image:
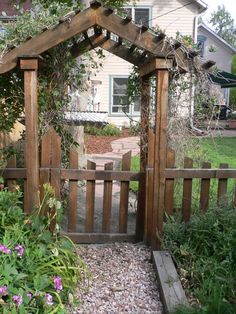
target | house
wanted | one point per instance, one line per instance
(8, 12)
(108, 87)
(215, 48)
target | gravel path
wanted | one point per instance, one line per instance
(122, 281)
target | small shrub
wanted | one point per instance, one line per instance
(232, 115)
(205, 251)
(135, 128)
(39, 270)
(108, 130)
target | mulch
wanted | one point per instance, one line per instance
(101, 144)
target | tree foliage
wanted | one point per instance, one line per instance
(62, 72)
(233, 90)
(223, 24)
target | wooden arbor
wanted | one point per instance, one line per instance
(137, 45)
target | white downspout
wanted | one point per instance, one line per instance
(192, 89)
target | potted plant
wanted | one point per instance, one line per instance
(232, 120)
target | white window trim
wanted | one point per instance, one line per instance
(132, 113)
(140, 7)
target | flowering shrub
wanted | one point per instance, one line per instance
(38, 270)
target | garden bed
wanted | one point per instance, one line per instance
(95, 144)
(205, 253)
(39, 270)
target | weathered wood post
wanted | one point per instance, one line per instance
(160, 149)
(30, 67)
(144, 121)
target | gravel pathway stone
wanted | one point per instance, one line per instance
(122, 280)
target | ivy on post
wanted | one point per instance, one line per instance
(160, 149)
(145, 99)
(30, 67)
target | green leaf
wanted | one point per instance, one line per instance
(41, 282)
(20, 276)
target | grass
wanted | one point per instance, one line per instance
(135, 166)
(214, 150)
(205, 252)
(218, 150)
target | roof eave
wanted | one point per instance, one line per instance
(203, 6)
(209, 30)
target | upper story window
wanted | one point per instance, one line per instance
(119, 101)
(140, 15)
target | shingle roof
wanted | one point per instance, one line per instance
(80, 118)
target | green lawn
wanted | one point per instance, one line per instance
(214, 150)
(218, 150)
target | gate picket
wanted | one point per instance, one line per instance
(107, 202)
(222, 188)
(90, 199)
(73, 193)
(124, 195)
(205, 189)
(187, 192)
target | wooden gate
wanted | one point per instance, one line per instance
(89, 217)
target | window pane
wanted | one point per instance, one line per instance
(120, 85)
(2, 30)
(128, 11)
(141, 16)
(137, 105)
(120, 104)
(115, 109)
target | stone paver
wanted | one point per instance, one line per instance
(221, 133)
(119, 148)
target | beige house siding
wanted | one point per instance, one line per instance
(221, 55)
(180, 17)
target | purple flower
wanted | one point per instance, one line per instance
(58, 284)
(48, 299)
(20, 250)
(4, 249)
(3, 290)
(17, 299)
(29, 295)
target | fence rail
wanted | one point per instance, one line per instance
(206, 174)
(51, 171)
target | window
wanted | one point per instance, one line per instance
(119, 101)
(2, 30)
(200, 44)
(140, 15)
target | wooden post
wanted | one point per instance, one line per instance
(145, 99)
(160, 149)
(149, 189)
(30, 66)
